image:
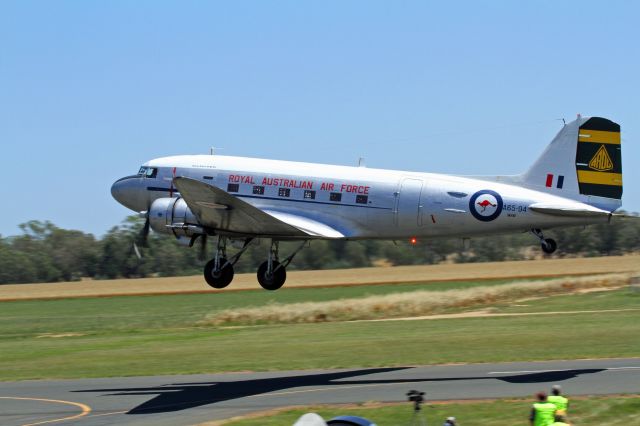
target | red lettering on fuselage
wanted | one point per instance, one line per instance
(241, 179)
(288, 183)
(357, 189)
(303, 184)
(326, 186)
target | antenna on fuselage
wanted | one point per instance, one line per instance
(212, 150)
(361, 162)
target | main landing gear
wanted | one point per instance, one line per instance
(272, 273)
(548, 244)
(218, 272)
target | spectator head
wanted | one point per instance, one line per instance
(556, 389)
(542, 396)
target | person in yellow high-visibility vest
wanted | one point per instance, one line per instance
(561, 402)
(542, 412)
(561, 420)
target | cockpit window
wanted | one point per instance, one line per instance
(149, 172)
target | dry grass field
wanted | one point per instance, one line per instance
(411, 304)
(326, 278)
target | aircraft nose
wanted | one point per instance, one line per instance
(117, 191)
(127, 192)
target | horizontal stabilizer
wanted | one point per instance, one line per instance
(580, 210)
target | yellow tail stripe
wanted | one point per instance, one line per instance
(599, 136)
(600, 178)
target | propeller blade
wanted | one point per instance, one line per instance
(137, 251)
(141, 238)
(145, 232)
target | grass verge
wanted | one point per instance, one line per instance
(151, 335)
(595, 411)
(109, 347)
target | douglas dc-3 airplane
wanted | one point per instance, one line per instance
(576, 181)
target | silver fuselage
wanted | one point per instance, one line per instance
(359, 202)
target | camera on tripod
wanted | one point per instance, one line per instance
(415, 396)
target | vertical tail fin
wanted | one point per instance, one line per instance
(583, 162)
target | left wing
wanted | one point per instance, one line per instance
(219, 210)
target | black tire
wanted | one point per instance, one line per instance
(221, 278)
(276, 280)
(549, 245)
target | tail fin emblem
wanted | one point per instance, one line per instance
(601, 161)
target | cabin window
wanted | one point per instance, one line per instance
(309, 194)
(258, 190)
(284, 192)
(149, 172)
(362, 199)
(233, 187)
(335, 196)
(207, 177)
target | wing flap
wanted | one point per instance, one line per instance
(310, 226)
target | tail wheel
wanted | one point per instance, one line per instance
(274, 280)
(549, 245)
(218, 278)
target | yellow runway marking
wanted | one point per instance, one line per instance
(85, 409)
(107, 414)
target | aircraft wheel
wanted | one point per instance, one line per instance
(274, 280)
(549, 245)
(220, 278)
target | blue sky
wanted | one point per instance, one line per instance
(91, 90)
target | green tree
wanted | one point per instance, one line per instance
(15, 266)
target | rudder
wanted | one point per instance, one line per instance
(599, 158)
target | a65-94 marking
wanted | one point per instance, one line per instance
(514, 208)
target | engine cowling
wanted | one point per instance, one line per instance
(173, 216)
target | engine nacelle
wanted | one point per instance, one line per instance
(173, 216)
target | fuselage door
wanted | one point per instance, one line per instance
(408, 211)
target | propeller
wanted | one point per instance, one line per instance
(142, 237)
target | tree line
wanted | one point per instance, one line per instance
(47, 253)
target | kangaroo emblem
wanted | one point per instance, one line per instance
(484, 204)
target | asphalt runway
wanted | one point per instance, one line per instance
(193, 399)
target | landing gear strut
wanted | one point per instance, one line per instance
(272, 273)
(218, 272)
(548, 244)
